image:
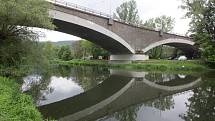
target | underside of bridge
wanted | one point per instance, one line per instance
(108, 43)
(186, 46)
(188, 50)
(88, 30)
(120, 49)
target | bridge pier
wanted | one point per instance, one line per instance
(128, 58)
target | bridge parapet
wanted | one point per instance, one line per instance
(78, 7)
(102, 14)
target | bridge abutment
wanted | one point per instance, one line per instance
(128, 58)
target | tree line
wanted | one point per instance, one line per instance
(81, 49)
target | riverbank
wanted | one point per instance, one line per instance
(150, 65)
(15, 106)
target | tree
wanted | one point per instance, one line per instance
(155, 53)
(49, 51)
(64, 53)
(128, 12)
(98, 51)
(201, 104)
(164, 23)
(17, 15)
(76, 50)
(84, 48)
(16, 39)
(202, 25)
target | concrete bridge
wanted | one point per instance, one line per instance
(125, 91)
(125, 41)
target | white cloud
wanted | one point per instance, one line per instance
(147, 9)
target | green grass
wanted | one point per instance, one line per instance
(150, 65)
(15, 106)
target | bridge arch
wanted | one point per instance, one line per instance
(185, 45)
(88, 30)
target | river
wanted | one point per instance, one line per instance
(83, 93)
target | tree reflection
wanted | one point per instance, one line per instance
(164, 103)
(62, 71)
(159, 77)
(201, 106)
(86, 77)
(129, 114)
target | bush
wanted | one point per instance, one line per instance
(15, 106)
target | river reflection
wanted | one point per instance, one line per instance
(162, 109)
(101, 94)
(60, 88)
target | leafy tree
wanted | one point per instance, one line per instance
(86, 48)
(49, 51)
(76, 50)
(201, 104)
(202, 25)
(164, 23)
(98, 51)
(128, 114)
(17, 41)
(128, 12)
(64, 53)
(155, 53)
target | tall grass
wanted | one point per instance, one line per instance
(15, 106)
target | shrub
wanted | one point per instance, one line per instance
(15, 106)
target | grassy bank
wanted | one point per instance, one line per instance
(151, 65)
(15, 106)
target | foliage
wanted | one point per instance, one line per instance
(164, 23)
(129, 114)
(15, 106)
(202, 26)
(64, 53)
(17, 41)
(76, 50)
(82, 49)
(128, 12)
(49, 51)
(98, 51)
(155, 53)
(86, 47)
(201, 103)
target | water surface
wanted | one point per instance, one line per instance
(84, 93)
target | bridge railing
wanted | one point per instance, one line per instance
(78, 7)
(85, 9)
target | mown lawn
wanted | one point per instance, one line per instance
(150, 65)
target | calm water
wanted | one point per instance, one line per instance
(101, 94)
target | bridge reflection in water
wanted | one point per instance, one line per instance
(120, 90)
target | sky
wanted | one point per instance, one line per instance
(146, 8)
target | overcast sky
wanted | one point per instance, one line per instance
(147, 9)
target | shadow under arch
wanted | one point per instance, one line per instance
(166, 86)
(88, 30)
(82, 105)
(186, 45)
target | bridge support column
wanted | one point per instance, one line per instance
(128, 58)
